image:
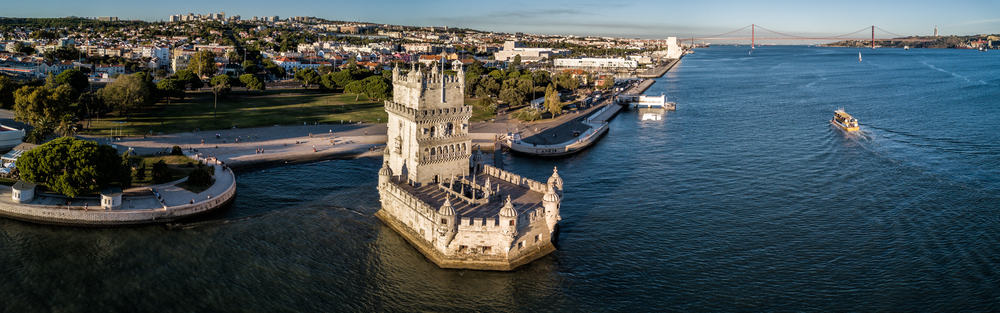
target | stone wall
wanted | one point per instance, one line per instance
(515, 179)
(50, 214)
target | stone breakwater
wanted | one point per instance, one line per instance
(153, 210)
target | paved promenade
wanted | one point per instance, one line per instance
(140, 205)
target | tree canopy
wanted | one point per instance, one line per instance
(74, 167)
(202, 63)
(43, 107)
(75, 79)
(7, 88)
(128, 92)
(252, 82)
(307, 77)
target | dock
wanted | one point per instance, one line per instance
(569, 138)
(659, 70)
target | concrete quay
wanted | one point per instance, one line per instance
(140, 205)
(659, 70)
(578, 134)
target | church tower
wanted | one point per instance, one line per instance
(428, 125)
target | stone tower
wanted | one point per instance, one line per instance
(428, 125)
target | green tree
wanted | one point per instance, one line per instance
(307, 77)
(170, 87)
(90, 105)
(24, 48)
(342, 78)
(252, 82)
(377, 87)
(274, 69)
(511, 94)
(356, 87)
(541, 78)
(202, 63)
(552, 102)
(73, 167)
(7, 88)
(250, 67)
(488, 87)
(515, 65)
(200, 177)
(42, 107)
(223, 80)
(75, 79)
(160, 172)
(565, 81)
(127, 93)
(221, 85)
(63, 53)
(189, 79)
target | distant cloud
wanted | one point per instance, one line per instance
(977, 22)
(536, 13)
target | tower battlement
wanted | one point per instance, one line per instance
(433, 89)
(458, 214)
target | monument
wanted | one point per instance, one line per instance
(441, 197)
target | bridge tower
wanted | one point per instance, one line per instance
(873, 37)
(753, 34)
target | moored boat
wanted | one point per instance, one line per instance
(844, 121)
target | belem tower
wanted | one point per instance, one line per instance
(457, 211)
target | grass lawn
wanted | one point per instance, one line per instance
(479, 112)
(177, 164)
(267, 108)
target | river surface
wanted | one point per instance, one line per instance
(745, 198)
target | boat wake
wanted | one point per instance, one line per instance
(944, 144)
(956, 75)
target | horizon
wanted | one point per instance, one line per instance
(627, 19)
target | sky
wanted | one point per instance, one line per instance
(626, 18)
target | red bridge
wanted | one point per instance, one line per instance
(861, 34)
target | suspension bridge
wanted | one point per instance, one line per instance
(741, 34)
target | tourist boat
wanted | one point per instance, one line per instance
(906, 47)
(844, 121)
(658, 102)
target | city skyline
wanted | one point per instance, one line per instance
(615, 18)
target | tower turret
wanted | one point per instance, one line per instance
(508, 224)
(385, 173)
(550, 201)
(555, 180)
(447, 225)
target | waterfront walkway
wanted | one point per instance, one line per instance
(140, 205)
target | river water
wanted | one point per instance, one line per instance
(745, 198)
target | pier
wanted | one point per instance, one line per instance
(569, 138)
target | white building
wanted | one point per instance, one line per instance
(513, 48)
(596, 63)
(673, 50)
(162, 54)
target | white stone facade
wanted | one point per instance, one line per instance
(491, 219)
